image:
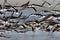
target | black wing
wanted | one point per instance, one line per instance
(26, 4)
(34, 9)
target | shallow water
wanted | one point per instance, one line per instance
(38, 35)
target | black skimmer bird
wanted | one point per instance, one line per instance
(26, 4)
(24, 26)
(42, 4)
(20, 31)
(36, 21)
(32, 28)
(8, 6)
(2, 35)
(41, 7)
(13, 17)
(55, 28)
(43, 19)
(4, 19)
(24, 17)
(7, 27)
(1, 12)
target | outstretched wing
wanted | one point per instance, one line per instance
(26, 4)
(34, 9)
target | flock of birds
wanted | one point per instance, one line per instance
(49, 18)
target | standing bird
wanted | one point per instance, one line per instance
(55, 28)
(12, 17)
(47, 29)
